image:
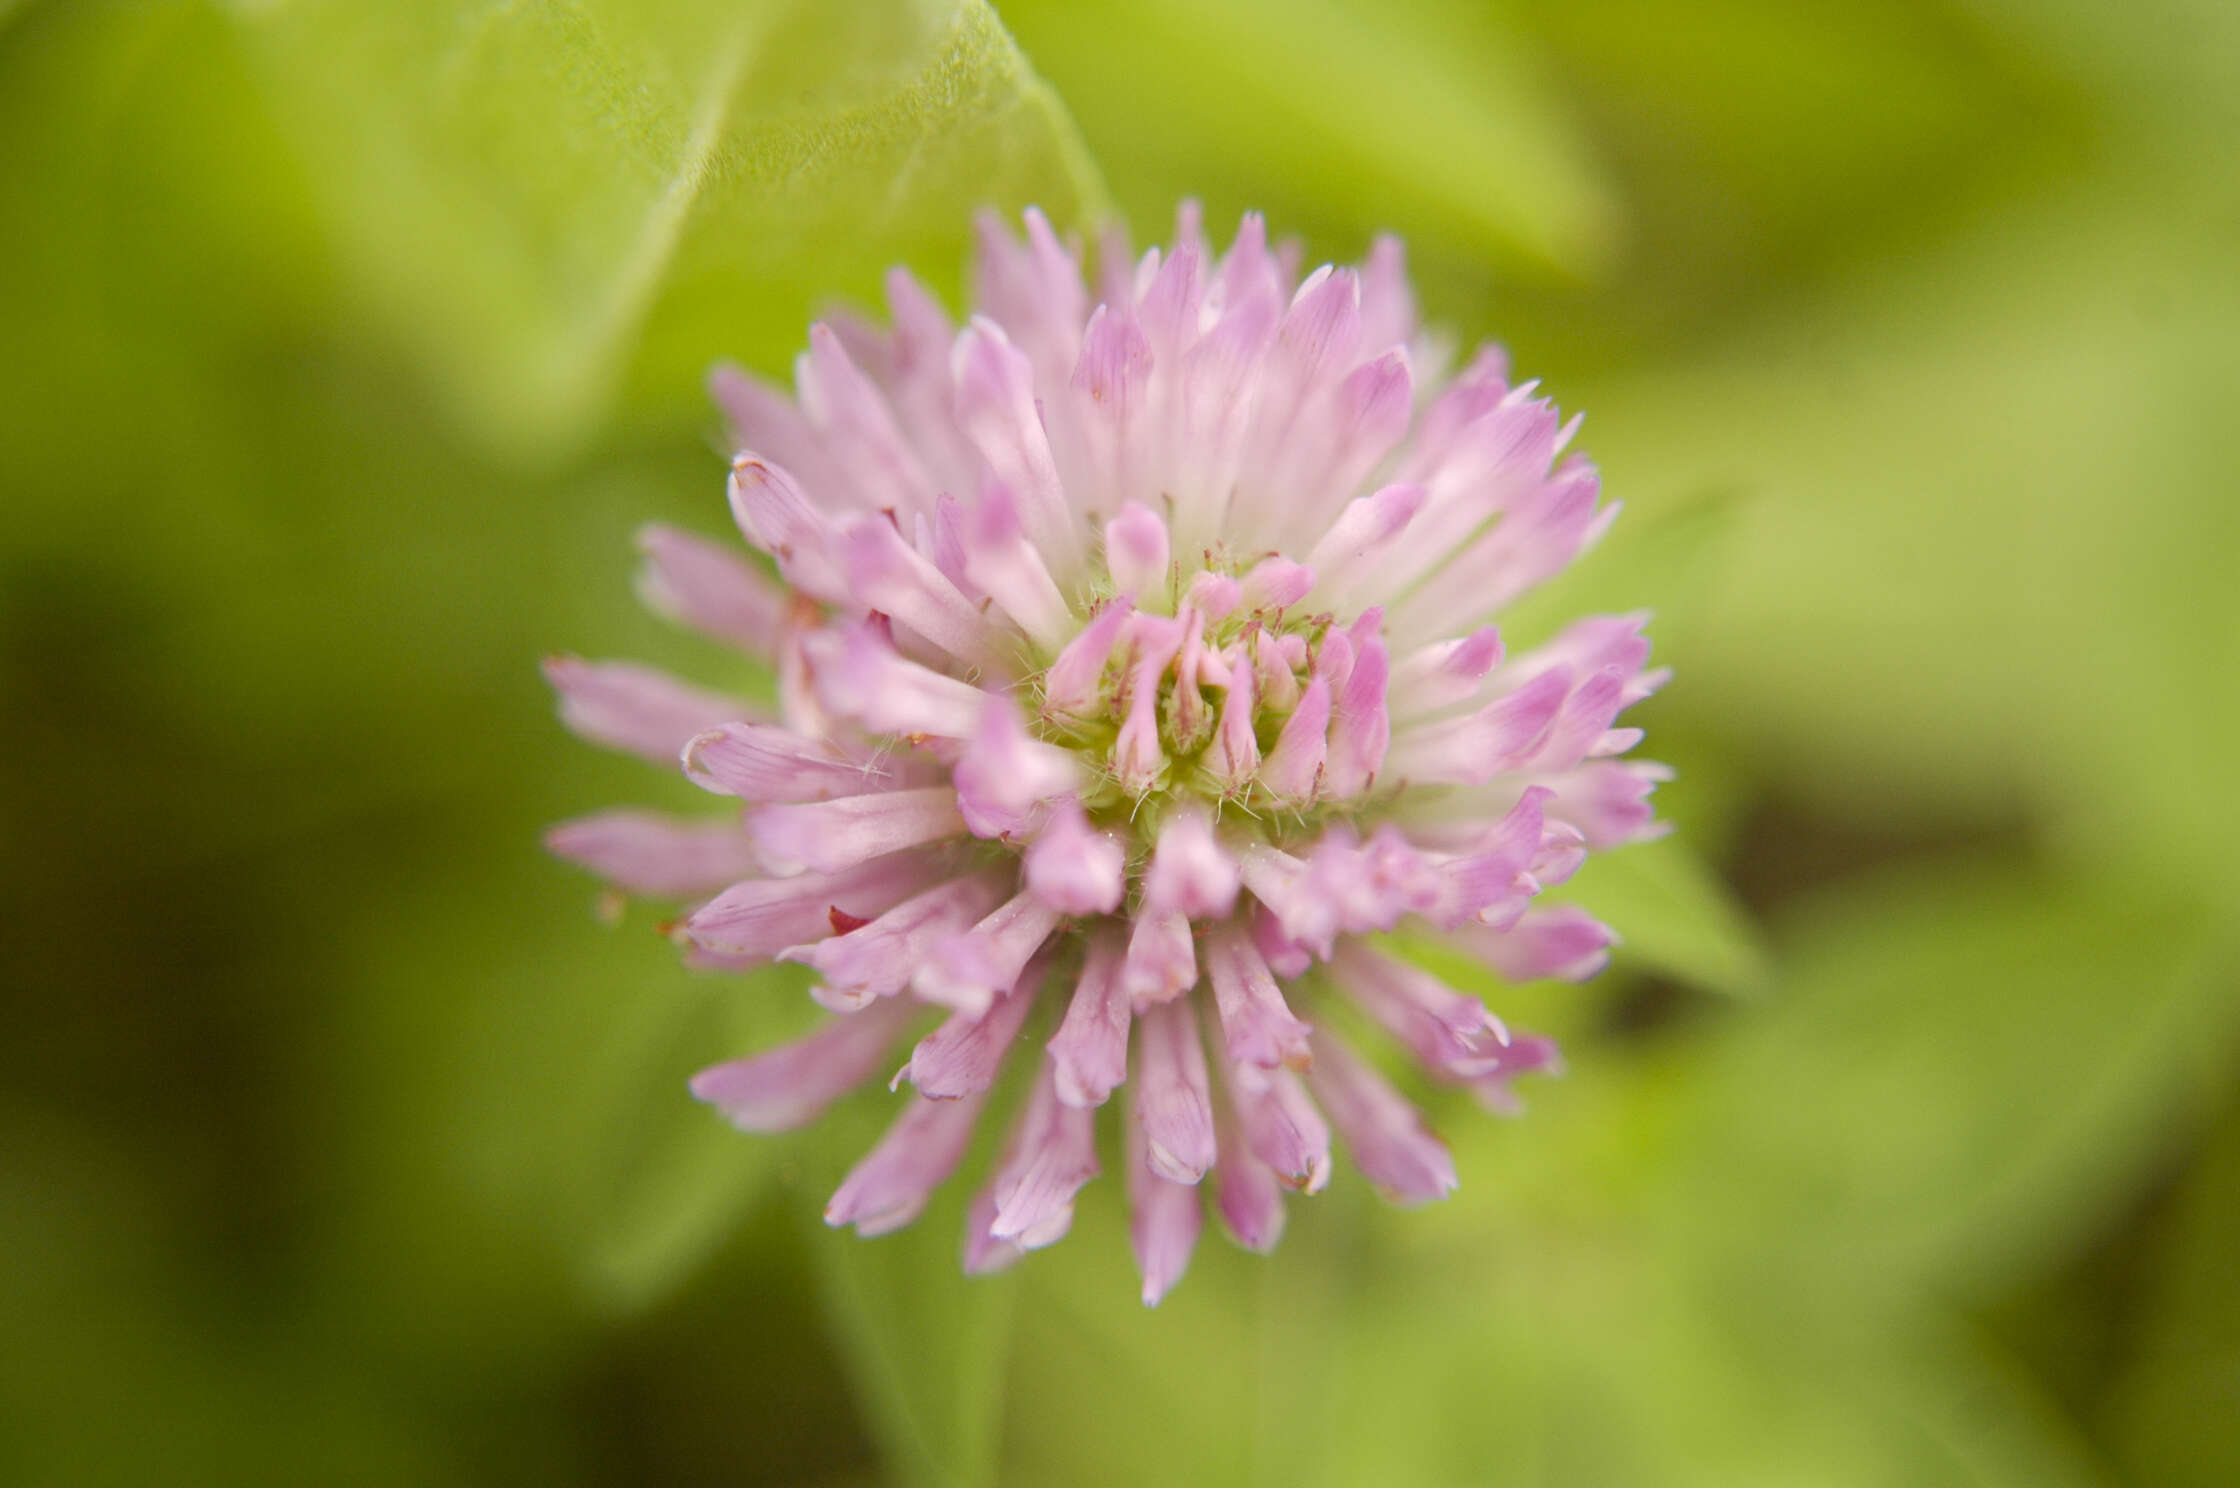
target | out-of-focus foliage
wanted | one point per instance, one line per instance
(540, 198)
(1426, 118)
(343, 345)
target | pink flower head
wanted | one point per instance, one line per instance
(1136, 667)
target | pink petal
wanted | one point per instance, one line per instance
(1282, 883)
(791, 1085)
(1074, 684)
(1275, 584)
(996, 409)
(1319, 334)
(1293, 769)
(697, 583)
(1073, 867)
(1110, 384)
(1189, 719)
(1135, 551)
(1286, 957)
(1005, 773)
(890, 1186)
(1280, 1126)
(860, 676)
(961, 1057)
(1609, 802)
(871, 459)
(1360, 726)
(923, 394)
(1448, 1031)
(1579, 724)
(1191, 872)
(829, 836)
(1247, 269)
(968, 968)
(1235, 757)
(1216, 416)
(635, 708)
(1250, 1200)
(999, 559)
(1444, 673)
(1054, 1153)
(760, 917)
(1491, 881)
(888, 575)
(1162, 960)
(1354, 543)
(1089, 1052)
(1493, 466)
(1474, 748)
(1519, 552)
(1563, 849)
(763, 418)
(1388, 306)
(1169, 308)
(1358, 886)
(1174, 1105)
(984, 1254)
(761, 763)
(1164, 1219)
(1385, 1134)
(647, 852)
(776, 517)
(1272, 675)
(1033, 289)
(1257, 1024)
(879, 958)
(1368, 416)
(1587, 646)
(1527, 1054)
(1246, 1191)
(1563, 942)
(1138, 760)
(1214, 595)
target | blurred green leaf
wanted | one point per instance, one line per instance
(1242, 1374)
(2160, 71)
(2180, 1388)
(1334, 117)
(1974, 580)
(1963, 1071)
(1754, 132)
(125, 1368)
(520, 188)
(1674, 915)
(927, 1345)
(683, 1176)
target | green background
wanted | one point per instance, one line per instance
(344, 343)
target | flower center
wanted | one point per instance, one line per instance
(1242, 699)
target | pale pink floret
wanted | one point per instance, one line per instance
(1089, 1052)
(961, 1057)
(1054, 1153)
(791, 1085)
(1280, 1126)
(648, 852)
(1172, 1096)
(1135, 654)
(1075, 867)
(635, 708)
(1164, 1219)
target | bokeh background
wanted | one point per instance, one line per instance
(344, 343)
